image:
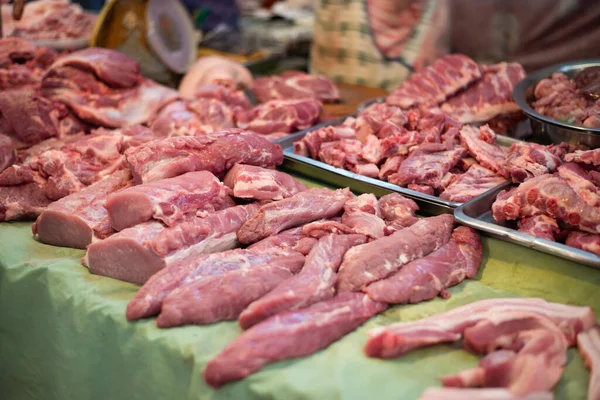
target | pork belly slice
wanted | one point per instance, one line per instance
(429, 276)
(480, 144)
(584, 241)
(477, 180)
(207, 299)
(437, 82)
(394, 340)
(80, 218)
(316, 281)
(528, 160)
(250, 182)
(588, 343)
(136, 253)
(590, 157)
(216, 153)
(581, 182)
(550, 195)
(8, 153)
(293, 239)
(362, 215)
(480, 394)
(380, 258)
(307, 206)
(291, 334)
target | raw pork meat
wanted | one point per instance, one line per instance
(489, 97)
(80, 218)
(192, 117)
(290, 334)
(168, 200)
(318, 229)
(136, 253)
(589, 348)
(293, 239)
(204, 300)
(390, 167)
(397, 211)
(310, 144)
(299, 209)
(8, 154)
(581, 182)
(527, 160)
(15, 50)
(541, 226)
(587, 157)
(214, 71)
(295, 85)
(429, 276)
(477, 180)
(394, 340)
(250, 182)
(584, 241)
(362, 215)
(316, 281)
(216, 153)
(480, 143)
(378, 119)
(25, 201)
(236, 99)
(280, 116)
(436, 83)
(379, 259)
(480, 394)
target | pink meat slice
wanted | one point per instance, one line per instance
(24, 201)
(584, 241)
(310, 144)
(307, 206)
(215, 153)
(390, 167)
(8, 154)
(316, 281)
(291, 334)
(80, 218)
(488, 154)
(280, 116)
(429, 276)
(477, 180)
(480, 394)
(293, 239)
(528, 160)
(362, 215)
(251, 182)
(375, 118)
(204, 300)
(167, 200)
(318, 229)
(396, 207)
(580, 181)
(380, 258)
(394, 340)
(136, 253)
(588, 343)
(541, 226)
(591, 157)
(192, 117)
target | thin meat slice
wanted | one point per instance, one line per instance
(477, 180)
(480, 394)
(528, 160)
(379, 259)
(80, 218)
(584, 241)
(591, 157)
(581, 182)
(394, 340)
(204, 300)
(307, 206)
(362, 215)
(541, 226)
(250, 182)
(588, 343)
(291, 239)
(136, 253)
(8, 154)
(429, 276)
(481, 147)
(397, 208)
(289, 335)
(167, 200)
(316, 281)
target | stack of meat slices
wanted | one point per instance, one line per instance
(558, 194)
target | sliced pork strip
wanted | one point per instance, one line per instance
(289, 335)
(80, 219)
(307, 206)
(250, 182)
(480, 394)
(588, 343)
(362, 215)
(316, 281)
(379, 259)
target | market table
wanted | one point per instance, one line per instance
(63, 334)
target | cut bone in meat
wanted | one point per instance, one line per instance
(584, 241)
(250, 182)
(379, 259)
(80, 218)
(588, 343)
(280, 116)
(541, 226)
(316, 281)
(477, 180)
(216, 153)
(295, 85)
(480, 143)
(378, 119)
(586, 157)
(581, 182)
(8, 154)
(168, 200)
(363, 216)
(527, 160)
(436, 83)
(289, 335)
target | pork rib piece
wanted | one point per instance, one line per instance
(489, 97)
(584, 241)
(480, 394)
(8, 154)
(307, 206)
(588, 343)
(289, 335)
(204, 300)
(316, 281)
(580, 181)
(477, 180)
(527, 160)
(429, 276)
(295, 85)
(310, 144)
(280, 116)
(541, 226)
(136, 253)
(250, 182)
(80, 218)
(378, 119)
(436, 83)
(379, 259)
(363, 216)
(394, 340)
(216, 153)
(480, 143)
(586, 157)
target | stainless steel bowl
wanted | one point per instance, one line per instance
(547, 130)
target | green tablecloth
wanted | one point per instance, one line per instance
(63, 334)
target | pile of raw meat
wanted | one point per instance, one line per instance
(558, 194)
(524, 342)
(48, 20)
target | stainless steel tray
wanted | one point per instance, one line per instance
(477, 214)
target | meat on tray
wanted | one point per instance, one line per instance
(397, 211)
(527, 160)
(480, 144)
(591, 157)
(581, 182)
(588, 343)
(280, 116)
(475, 181)
(541, 226)
(295, 85)
(363, 216)
(251, 182)
(450, 393)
